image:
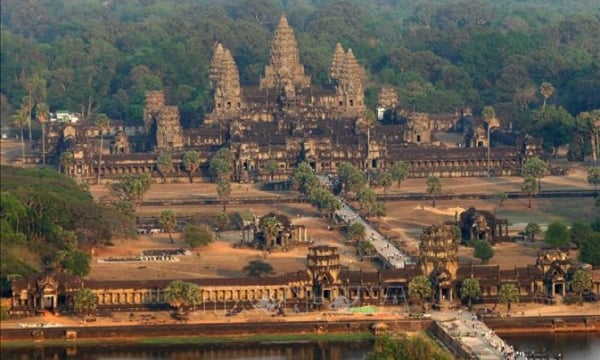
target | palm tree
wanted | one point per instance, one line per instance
(530, 187)
(191, 162)
(103, 122)
(547, 90)
(270, 228)
(20, 120)
(434, 187)
(85, 301)
(271, 166)
(182, 295)
(582, 281)
(470, 289)
(508, 294)
(164, 164)
(419, 289)
(42, 113)
(224, 191)
(399, 172)
(168, 221)
(27, 107)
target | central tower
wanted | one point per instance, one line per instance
(284, 73)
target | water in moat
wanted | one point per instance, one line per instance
(572, 346)
(309, 350)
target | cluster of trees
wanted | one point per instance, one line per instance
(48, 220)
(536, 62)
(417, 347)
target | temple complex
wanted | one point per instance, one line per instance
(288, 119)
(324, 283)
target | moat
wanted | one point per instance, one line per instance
(573, 346)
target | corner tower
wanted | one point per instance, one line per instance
(351, 85)
(225, 82)
(284, 73)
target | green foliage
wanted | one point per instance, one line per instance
(508, 295)
(196, 236)
(85, 301)
(183, 295)
(351, 179)
(434, 187)
(419, 289)
(470, 289)
(164, 164)
(580, 232)
(500, 197)
(222, 220)
(483, 250)
(366, 198)
(191, 162)
(44, 213)
(76, 263)
(534, 167)
(365, 247)
(324, 201)
(442, 55)
(168, 221)
(271, 167)
(582, 281)
(531, 230)
(221, 164)
(224, 191)
(530, 187)
(557, 234)
(269, 226)
(304, 179)
(589, 249)
(385, 180)
(356, 232)
(131, 187)
(415, 347)
(593, 176)
(258, 268)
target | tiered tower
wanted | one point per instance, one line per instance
(351, 85)
(155, 102)
(438, 250)
(284, 73)
(163, 121)
(336, 64)
(225, 82)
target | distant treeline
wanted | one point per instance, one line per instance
(101, 56)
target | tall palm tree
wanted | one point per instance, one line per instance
(547, 90)
(103, 122)
(20, 120)
(42, 113)
(270, 228)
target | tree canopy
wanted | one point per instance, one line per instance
(183, 295)
(557, 234)
(524, 58)
(46, 218)
(258, 268)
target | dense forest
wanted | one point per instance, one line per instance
(47, 220)
(101, 56)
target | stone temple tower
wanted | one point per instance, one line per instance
(336, 64)
(438, 258)
(351, 85)
(284, 74)
(225, 82)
